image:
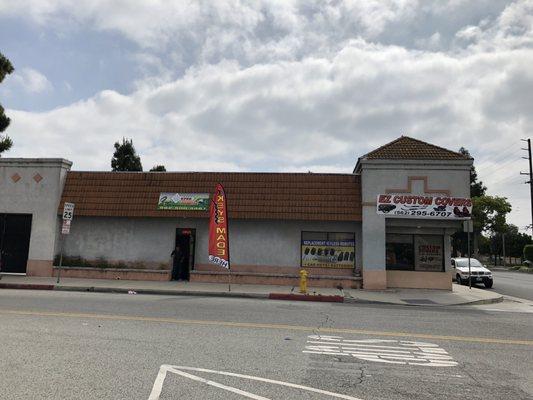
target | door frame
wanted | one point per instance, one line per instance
(191, 232)
(5, 231)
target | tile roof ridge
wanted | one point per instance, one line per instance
(210, 172)
(406, 139)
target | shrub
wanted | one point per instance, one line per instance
(528, 252)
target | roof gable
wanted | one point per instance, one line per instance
(407, 148)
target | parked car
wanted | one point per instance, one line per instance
(480, 273)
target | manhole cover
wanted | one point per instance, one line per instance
(419, 301)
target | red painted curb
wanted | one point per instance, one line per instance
(306, 297)
(25, 286)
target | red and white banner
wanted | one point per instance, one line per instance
(218, 229)
(423, 206)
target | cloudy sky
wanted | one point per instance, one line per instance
(280, 85)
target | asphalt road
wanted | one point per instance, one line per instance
(516, 284)
(63, 345)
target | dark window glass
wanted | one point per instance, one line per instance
(400, 254)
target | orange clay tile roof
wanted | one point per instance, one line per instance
(407, 148)
(296, 196)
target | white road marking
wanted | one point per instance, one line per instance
(387, 351)
(218, 385)
(179, 370)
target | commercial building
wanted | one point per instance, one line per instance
(386, 224)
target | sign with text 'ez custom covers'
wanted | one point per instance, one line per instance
(424, 206)
(183, 201)
(218, 229)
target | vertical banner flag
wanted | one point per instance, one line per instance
(218, 229)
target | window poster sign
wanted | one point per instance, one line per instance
(423, 206)
(429, 253)
(328, 253)
(183, 201)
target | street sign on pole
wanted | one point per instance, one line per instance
(468, 227)
(65, 228)
(68, 211)
(68, 214)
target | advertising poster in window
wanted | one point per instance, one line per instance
(328, 253)
(429, 253)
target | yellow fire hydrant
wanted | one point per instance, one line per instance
(303, 281)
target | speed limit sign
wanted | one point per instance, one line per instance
(68, 211)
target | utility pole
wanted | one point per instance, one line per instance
(503, 248)
(530, 175)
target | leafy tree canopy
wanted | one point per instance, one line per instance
(477, 189)
(5, 141)
(125, 158)
(489, 214)
(158, 168)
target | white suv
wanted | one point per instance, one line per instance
(480, 273)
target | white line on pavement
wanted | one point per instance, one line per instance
(158, 384)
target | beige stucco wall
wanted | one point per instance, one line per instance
(419, 280)
(413, 177)
(34, 186)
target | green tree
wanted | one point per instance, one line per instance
(489, 214)
(158, 168)
(514, 241)
(5, 141)
(477, 189)
(125, 158)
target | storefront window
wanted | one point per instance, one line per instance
(328, 249)
(399, 252)
(415, 252)
(429, 253)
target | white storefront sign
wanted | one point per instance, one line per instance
(424, 206)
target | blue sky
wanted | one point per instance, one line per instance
(288, 85)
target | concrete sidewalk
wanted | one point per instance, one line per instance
(459, 296)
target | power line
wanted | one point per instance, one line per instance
(497, 158)
(501, 154)
(516, 181)
(484, 174)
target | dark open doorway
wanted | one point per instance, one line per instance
(15, 232)
(186, 239)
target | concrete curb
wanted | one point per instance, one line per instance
(307, 297)
(30, 286)
(498, 299)
(270, 296)
(162, 292)
(351, 300)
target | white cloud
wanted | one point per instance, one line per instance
(298, 85)
(30, 80)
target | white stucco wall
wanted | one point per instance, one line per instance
(382, 176)
(38, 198)
(252, 242)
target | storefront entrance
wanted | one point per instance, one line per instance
(15, 231)
(185, 239)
